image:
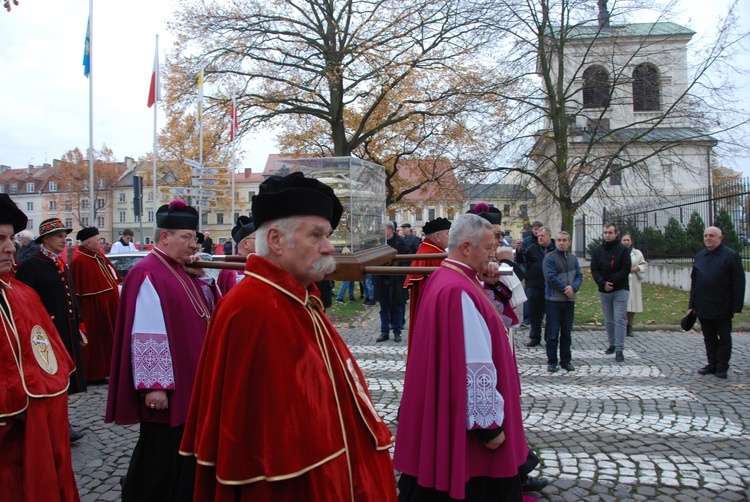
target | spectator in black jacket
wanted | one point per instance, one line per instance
(610, 266)
(533, 257)
(717, 292)
(410, 238)
(389, 290)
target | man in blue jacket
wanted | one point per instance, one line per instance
(563, 276)
(717, 292)
(610, 266)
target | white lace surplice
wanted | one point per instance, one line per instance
(484, 404)
(150, 354)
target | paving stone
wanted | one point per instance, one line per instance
(648, 430)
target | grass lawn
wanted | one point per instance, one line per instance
(661, 305)
(343, 314)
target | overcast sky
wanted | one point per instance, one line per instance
(44, 96)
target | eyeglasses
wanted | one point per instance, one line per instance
(499, 235)
(186, 237)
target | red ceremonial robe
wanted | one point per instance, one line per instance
(96, 283)
(434, 444)
(280, 409)
(35, 368)
(415, 282)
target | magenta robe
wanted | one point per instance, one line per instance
(186, 331)
(432, 441)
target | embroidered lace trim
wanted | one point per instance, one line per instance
(485, 405)
(152, 361)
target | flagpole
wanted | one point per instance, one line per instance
(156, 96)
(234, 148)
(200, 148)
(91, 112)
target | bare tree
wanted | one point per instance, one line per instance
(347, 71)
(610, 110)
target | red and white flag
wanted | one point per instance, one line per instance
(235, 124)
(154, 92)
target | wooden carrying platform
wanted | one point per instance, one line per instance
(352, 266)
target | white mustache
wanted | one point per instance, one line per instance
(326, 265)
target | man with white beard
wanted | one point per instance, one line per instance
(280, 410)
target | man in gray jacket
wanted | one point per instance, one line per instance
(563, 279)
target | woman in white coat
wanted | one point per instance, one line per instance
(638, 268)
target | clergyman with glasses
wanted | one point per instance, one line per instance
(161, 324)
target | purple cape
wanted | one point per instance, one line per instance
(432, 442)
(186, 331)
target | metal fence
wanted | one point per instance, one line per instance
(671, 227)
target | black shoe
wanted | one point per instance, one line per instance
(534, 484)
(707, 370)
(552, 368)
(382, 338)
(339, 300)
(75, 435)
(397, 338)
(619, 357)
(533, 343)
(721, 374)
(610, 350)
(368, 303)
(568, 367)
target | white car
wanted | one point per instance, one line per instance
(123, 262)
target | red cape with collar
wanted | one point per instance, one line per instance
(280, 407)
(96, 283)
(416, 282)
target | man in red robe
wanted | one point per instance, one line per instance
(161, 325)
(243, 234)
(435, 241)
(460, 431)
(281, 410)
(35, 368)
(96, 281)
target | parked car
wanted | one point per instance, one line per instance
(123, 262)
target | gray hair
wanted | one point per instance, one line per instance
(389, 225)
(546, 230)
(286, 226)
(467, 227)
(157, 233)
(27, 234)
(563, 232)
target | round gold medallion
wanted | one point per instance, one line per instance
(45, 355)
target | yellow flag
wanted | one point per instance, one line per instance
(200, 95)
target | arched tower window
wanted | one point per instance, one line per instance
(596, 87)
(646, 88)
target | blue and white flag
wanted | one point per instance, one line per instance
(87, 50)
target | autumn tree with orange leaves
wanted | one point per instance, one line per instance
(72, 178)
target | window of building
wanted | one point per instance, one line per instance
(523, 211)
(122, 216)
(86, 184)
(150, 197)
(85, 204)
(250, 194)
(100, 221)
(419, 215)
(52, 205)
(204, 219)
(99, 203)
(596, 87)
(646, 88)
(430, 214)
(100, 184)
(506, 210)
(30, 224)
(219, 218)
(236, 217)
(68, 207)
(13, 188)
(29, 187)
(85, 221)
(150, 216)
(52, 186)
(122, 196)
(2, 188)
(615, 175)
(29, 206)
(69, 222)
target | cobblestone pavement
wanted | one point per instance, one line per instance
(647, 429)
